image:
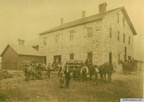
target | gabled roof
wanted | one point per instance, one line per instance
(91, 19)
(23, 50)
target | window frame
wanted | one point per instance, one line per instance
(118, 35)
(72, 35)
(45, 41)
(71, 56)
(123, 37)
(89, 31)
(110, 32)
(124, 22)
(57, 38)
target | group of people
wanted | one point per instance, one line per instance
(77, 72)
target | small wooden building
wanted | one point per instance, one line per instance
(14, 56)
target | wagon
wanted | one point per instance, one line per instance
(74, 66)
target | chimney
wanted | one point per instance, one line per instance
(102, 8)
(83, 14)
(62, 21)
(21, 42)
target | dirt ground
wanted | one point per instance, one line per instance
(16, 89)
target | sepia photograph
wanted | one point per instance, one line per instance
(71, 50)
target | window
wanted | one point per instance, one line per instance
(57, 38)
(89, 57)
(129, 40)
(72, 35)
(123, 22)
(117, 17)
(110, 32)
(118, 35)
(71, 56)
(89, 31)
(118, 58)
(123, 37)
(45, 41)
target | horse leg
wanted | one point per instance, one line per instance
(109, 77)
(96, 77)
(101, 76)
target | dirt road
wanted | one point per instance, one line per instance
(16, 89)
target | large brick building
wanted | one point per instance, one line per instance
(107, 36)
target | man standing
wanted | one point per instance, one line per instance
(84, 72)
(67, 76)
(49, 70)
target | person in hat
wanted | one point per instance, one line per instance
(67, 76)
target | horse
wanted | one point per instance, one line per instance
(93, 70)
(104, 69)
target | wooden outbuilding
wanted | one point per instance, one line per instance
(14, 56)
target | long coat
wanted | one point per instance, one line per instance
(67, 74)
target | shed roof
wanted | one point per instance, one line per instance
(23, 50)
(90, 19)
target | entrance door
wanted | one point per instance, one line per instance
(110, 58)
(57, 59)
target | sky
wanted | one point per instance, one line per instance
(25, 19)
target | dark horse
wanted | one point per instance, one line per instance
(104, 69)
(93, 70)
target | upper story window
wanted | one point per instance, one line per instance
(110, 32)
(129, 40)
(56, 38)
(118, 58)
(72, 56)
(89, 31)
(118, 35)
(117, 17)
(72, 35)
(123, 37)
(44, 40)
(123, 22)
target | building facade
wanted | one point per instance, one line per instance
(104, 37)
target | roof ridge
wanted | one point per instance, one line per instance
(80, 19)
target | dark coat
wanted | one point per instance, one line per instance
(67, 74)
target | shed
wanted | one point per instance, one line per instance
(14, 56)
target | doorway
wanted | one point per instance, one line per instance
(57, 59)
